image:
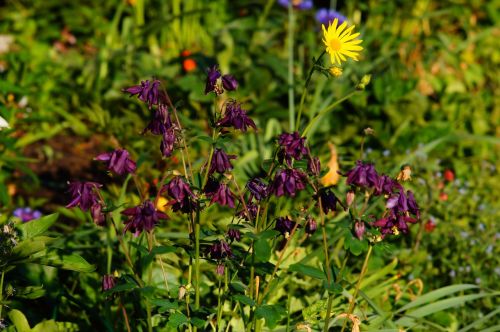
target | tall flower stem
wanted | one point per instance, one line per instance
(291, 88)
(327, 265)
(304, 93)
(197, 261)
(356, 290)
(1, 293)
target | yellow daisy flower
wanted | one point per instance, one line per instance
(340, 42)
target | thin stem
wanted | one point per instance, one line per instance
(124, 313)
(1, 293)
(291, 97)
(150, 318)
(356, 290)
(197, 261)
(326, 110)
(162, 268)
(304, 93)
(327, 265)
(219, 308)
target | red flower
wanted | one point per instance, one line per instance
(449, 175)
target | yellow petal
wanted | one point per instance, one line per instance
(332, 177)
(346, 32)
(340, 29)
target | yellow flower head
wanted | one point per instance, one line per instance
(340, 42)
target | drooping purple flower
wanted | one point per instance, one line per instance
(108, 282)
(98, 216)
(221, 162)
(118, 161)
(284, 225)
(359, 229)
(213, 75)
(143, 217)
(314, 166)
(293, 146)
(412, 204)
(178, 189)
(235, 116)
(258, 189)
(229, 82)
(161, 121)
(288, 182)
(394, 223)
(234, 234)
(211, 187)
(220, 250)
(26, 214)
(385, 185)
(326, 16)
(362, 175)
(223, 196)
(297, 4)
(83, 194)
(147, 92)
(252, 209)
(168, 142)
(311, 226)
(328, 200)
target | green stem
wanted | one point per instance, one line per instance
(197, 261)
(1, 293)
(291, 97)
(326, 110)
(304, 93)
(219, 308)
(356, 290)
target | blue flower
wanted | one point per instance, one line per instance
(326, 16)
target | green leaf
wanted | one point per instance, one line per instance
(307, 270)
(19, 321)
(244, 299)
(177, 319)
(65, 261)
(120, 288)
(262, 250)
(29, 247)
(37, 226)
(437, 294)
(477, 323)
(271, 313)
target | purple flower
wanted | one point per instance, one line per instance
(178, 189)
(293, 146)
(147, 92)
(167, 142)
(311, 226)
(359, 229)
(220, 250)
(252, 210)
(314, 166)
(83, 194)
(235, 116)
(229, 82)
(326, 16)
(385, 185)
(213, 75)
(220, 269)
(97, 215)
(328, 200)
(142, 218)
(118, 161)
(297, 4)
(234, 234)
(223, 196)
(161, 121)
(412, 204)
(258, 189)
(221, 162)
(284, 225)
(362, 175)
(108, 282)
(288, 182)
(26, 214)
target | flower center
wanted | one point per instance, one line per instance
(335, 44)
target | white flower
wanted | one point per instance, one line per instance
(3, 123)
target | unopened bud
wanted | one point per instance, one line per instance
(350, 196)
(364, 82)
(220, 269)
(369, 131)
(336, 71)
(311, 226)
(182, 292)
(359, 229)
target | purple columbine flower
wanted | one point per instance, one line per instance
(183, 197)
(168, 142)
(147, 92)
(229, 82)
(221, 162)
(83, 194)
(223, 196)
(359, 229)
(213, 74)
(288, 182)
(297, 4)
(258, 189)
(252, 210)
(235, 116)
(311, 226)
(26, 214)
(362, 175)
(98, 216)
(234, 234)
(293, 146)
(143, 217)
(314, 166)
(412, 204)
(220, 250)
(284, 225)
(118, 161)
(328, 200)
(161, 121)
(108, 282)
(326, 16)
(385, 185)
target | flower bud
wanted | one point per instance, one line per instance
(364, 82)
(311, 226)
(359, 229)
(108, 282)
(336, 71)
(314, 166)
(220, 269)
(350, 196)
